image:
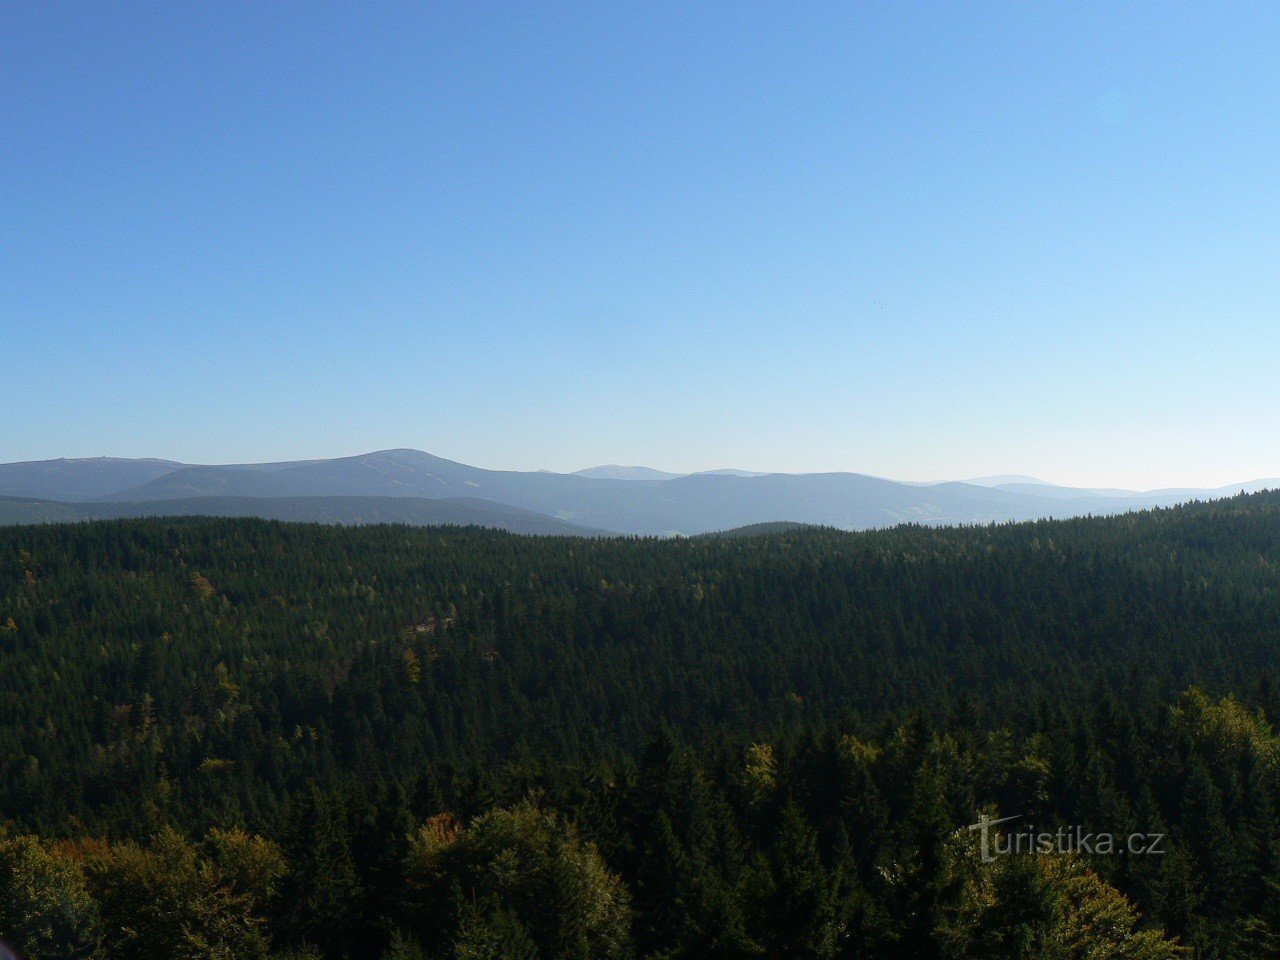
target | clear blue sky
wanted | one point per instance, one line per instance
(921, 241)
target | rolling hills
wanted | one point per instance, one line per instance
(627, 500)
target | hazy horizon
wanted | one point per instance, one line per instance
(1007, 475)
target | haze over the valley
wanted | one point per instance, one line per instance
(410, 486)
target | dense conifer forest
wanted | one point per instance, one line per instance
(246, 739)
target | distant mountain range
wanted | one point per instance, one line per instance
(409, 486)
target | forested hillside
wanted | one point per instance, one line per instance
(241, 738)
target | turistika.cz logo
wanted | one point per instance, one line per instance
(998, 842)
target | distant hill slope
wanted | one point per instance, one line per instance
(762, 529)
(613, 471)
(83, 479)
(690, 504)
(345, 511)
(631, 500)
(1136, 499)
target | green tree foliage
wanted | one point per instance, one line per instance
(495, 933)
(169, 898)
(794, 897)
(1043, 907)
(519, 876)
(45, 910)
(321, 889)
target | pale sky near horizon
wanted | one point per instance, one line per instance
(922, 241)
